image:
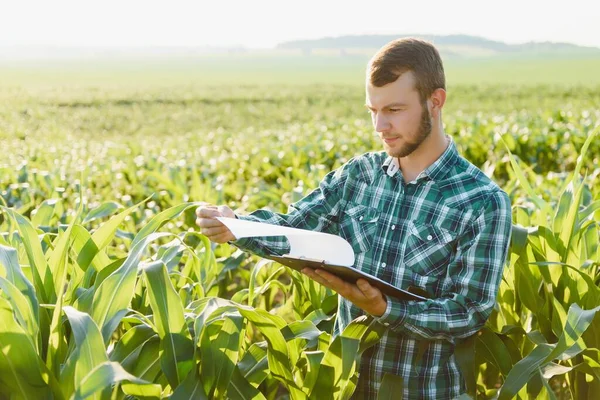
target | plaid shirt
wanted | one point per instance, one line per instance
(446, 232)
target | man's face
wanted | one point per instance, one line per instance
(400, 118)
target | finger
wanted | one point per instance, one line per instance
(312, 275)
(214, 231)
(207, 212)
(329, 277)
(335, 283)
(204, 205)
(208, 222)
(370, 292)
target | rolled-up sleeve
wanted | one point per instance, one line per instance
(318, 211)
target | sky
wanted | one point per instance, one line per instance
(264, 23)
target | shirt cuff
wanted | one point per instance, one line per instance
(395, 312)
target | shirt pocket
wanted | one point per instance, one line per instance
(358, 226)
(429, 249)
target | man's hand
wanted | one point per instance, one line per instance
(363, 295)
(210, 226)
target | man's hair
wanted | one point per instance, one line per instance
(408, 54)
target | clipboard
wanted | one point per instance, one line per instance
(318, 246)
(348, 274)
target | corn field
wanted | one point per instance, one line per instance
(108, 290)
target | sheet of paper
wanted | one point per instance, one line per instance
(317, 245)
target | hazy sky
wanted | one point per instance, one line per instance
(263, 24)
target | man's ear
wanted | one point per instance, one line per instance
(438, 99)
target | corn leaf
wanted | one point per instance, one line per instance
(176, 343)
(103, 210)
(11, 270)
(20, 370)
(105, 375)
(522, 372)
(240, 389)
(42, 275)
(89, 349)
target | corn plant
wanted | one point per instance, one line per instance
(79, 324)
(542, 339)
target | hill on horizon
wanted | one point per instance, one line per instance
(450, 46)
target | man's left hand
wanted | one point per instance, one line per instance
(363, 295)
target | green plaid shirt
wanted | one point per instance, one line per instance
(446, 232)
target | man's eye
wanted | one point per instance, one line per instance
(394, 110)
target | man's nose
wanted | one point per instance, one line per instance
(381, 123)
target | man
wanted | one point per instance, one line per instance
(417, 214)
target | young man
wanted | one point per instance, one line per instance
(417, 214)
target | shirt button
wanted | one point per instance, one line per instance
(360, 218)
(393, 227)
(386, 324)
(383, 265)
(429, 237)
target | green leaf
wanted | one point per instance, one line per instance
(254, 365)
(20, 369)
(24, 312)
(279, 364)
(524, 370)
(538, 201)
(518, 240)
(192, 388)
(578, 321)
(103, 236)
(240, 389)
(314, 359)
(129, 346)
(105, 375)
(147, 365)
(255, 271)
(527, 285)
(547, 389)
(103, 210)
(567, 229)
(303, 329)
(493, 349)
(89, 347)
(112, 297)
(87, 251)
(42, 276)
(58, 263)
(552, 369)
(339, 363)
(591, 136)
(44, 213)
(159, 219)
(176, 343)
(12, 272)
(219, 353)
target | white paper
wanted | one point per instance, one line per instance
(316, 245)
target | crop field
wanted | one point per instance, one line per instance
(108, 290)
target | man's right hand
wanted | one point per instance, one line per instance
(210, 226)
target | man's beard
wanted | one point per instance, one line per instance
(425, 128)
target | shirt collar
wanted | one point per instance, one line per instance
(435, 171)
